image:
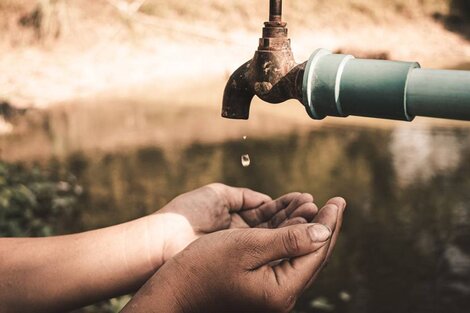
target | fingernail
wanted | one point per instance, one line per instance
(319, 233)
(334, 205)
(343, 203)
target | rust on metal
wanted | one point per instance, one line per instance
(272, 74)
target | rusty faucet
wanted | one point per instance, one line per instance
(272, 74)
(339, 85)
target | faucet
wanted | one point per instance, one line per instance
(340, 85)
(272, 74)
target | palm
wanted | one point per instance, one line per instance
(217, 207)
(289, 209)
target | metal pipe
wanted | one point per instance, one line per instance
(340, 85)
(275, 10)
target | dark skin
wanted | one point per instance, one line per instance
(58, 274)
(217, 207)
(238, 270)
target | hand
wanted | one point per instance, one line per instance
(233, 271)
(217, 207)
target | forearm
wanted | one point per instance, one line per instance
(60, 273)
(164, 292)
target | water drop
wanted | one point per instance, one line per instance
(345, 296)
(244, 137)
(246, 160)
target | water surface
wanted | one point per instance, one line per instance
(405, 246)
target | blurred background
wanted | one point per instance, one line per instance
(109, 109)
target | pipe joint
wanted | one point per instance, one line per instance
(340, 85)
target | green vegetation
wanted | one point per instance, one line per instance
(35, 203)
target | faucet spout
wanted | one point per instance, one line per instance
(238, 95)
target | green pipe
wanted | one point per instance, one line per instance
(340, 85)
(439, 93)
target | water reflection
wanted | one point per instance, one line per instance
(406, 240)
(420, 154)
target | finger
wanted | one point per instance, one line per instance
(276, 213)
(298, 201)
(298, 272)
(266, 211)
(293, 221)
(285, 243)
(341, 204)
(306, 211)
(302, 205)
(277, 210)
(236, 199)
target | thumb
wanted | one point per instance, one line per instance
(288, 242)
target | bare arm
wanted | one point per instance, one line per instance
(238, 270)
(57, 273)
(62, 273)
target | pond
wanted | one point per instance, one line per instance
(405, 245)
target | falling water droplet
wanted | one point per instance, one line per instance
(246, 160)
(345, 296)
(244, 137)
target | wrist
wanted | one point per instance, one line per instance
(168, 233)
(166, 292)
